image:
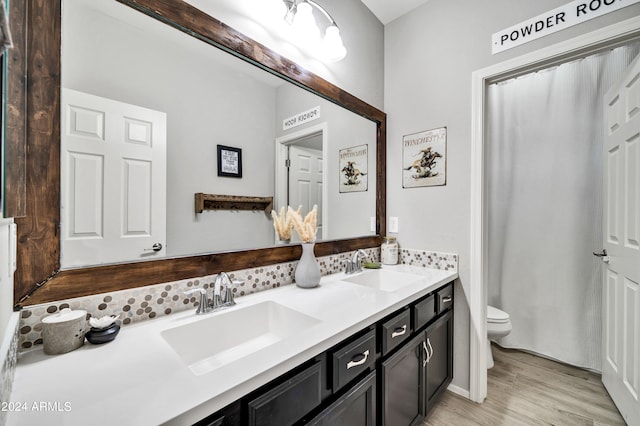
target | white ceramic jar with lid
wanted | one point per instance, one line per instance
(64, 331)
(389, 251)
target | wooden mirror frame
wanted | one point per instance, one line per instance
(33, 144)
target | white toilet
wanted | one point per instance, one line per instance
(498, 325)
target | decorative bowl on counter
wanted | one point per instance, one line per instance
(98, 336)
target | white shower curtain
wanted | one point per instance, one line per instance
(544, 163)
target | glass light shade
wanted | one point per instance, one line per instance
(277, 8)
(265, 13)
(289, 12)
(332, 46)
(304, 24)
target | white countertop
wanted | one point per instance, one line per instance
(139, 379)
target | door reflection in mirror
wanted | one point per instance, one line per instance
(209, 97)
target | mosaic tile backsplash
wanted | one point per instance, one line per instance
(429, 259)
(7, 371)
(154, 301)
(149, 302)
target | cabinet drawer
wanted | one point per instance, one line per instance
(290, 401)
(445, 298)
(351, 360)
(424, 311)
(356, 407)
(395, 331)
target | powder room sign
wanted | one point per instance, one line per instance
(555, 20)
(424, 158)
(301, 118)
(353, 169)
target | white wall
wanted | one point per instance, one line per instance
(430, 55)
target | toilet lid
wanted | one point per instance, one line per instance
(495, 315)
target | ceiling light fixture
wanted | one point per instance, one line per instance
(300, 16)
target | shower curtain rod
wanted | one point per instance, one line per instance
(580, 54)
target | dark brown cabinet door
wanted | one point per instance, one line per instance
(402, 384)
(438, 353)
(357, 407)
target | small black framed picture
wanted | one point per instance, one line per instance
(229, 161)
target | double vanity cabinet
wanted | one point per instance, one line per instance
(368, 348)
(389, 373)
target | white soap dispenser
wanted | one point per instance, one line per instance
(389, 251)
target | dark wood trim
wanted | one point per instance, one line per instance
(38, 237)
(39, 279)
(381, 177)
(16, 120)
(74, 282)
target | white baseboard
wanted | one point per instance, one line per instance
(459, 391)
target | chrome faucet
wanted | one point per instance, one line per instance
(203, 307)
(355, 265)
(219, 300)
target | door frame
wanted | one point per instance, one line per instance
(592, 42)
(282, 145)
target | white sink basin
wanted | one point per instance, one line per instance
(225, 336)
(383, 279)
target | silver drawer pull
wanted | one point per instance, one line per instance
(446, 299)
(399, 331)
(426, 353)
(352, 363)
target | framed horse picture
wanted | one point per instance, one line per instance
(424, 158)
(353, 164)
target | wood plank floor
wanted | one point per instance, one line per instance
(524, 389)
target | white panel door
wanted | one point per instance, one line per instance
(621, 226)
(113, 189)
(305, 181)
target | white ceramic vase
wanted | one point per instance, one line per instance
(307, 273)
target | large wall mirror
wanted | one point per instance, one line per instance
(209, 85)
(116, 60)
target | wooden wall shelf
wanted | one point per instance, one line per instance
(231, 202)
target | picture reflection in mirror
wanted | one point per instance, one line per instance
(209, 98)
